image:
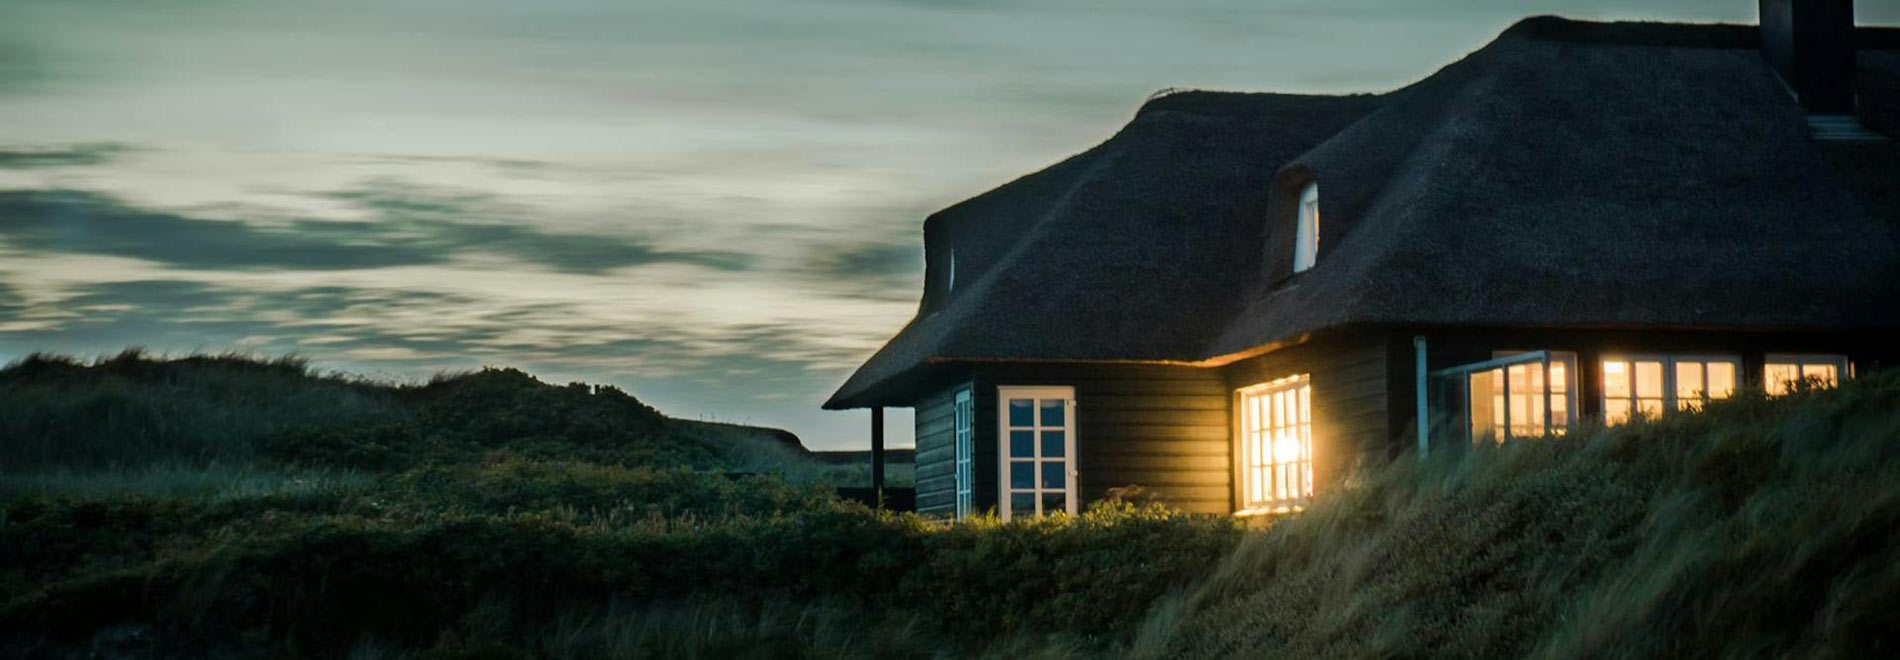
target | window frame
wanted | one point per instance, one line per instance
(1670, 404)
(1306, 228)
(1246, 502)
(1463, 373)
(1843, 368)
(1038, 393)
(963, 431)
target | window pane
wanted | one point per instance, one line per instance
(1689, 387)
(1022, 504)
(1052, 411)
(1616, 411)
(1780, 377)
(1616, 379)
(1822, 374)
(1022, 444)
(1022, 475)
(1052, 444)
(1020, 412)
(1559, 412)
(1486, 414)
(1054, 503)
(1053, 473)
(1559, 376)
(1721, 379)
(1651, 408)
(1534, 419)
(1649, 379)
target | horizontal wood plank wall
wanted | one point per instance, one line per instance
(936, 462)
(1160, 427)
(1351, 409)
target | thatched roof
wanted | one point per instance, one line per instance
(1566, 175)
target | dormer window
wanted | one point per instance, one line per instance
(1306, 233)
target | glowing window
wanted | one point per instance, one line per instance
(1526, 399)
(1646, 386)
(1276, 444)
(1782, 373)
(1306, 233)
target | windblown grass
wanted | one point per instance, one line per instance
(60, 413)
(213, 481)
(1760, 528)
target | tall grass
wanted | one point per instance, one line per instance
(1760, 528)
(213, 481)
(129, 409)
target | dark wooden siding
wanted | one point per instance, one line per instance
(1351, 409)
(1163, 428)
(936, 461)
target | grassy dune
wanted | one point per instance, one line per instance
(1760, 528)
(491, 516)
(208, 507)
(221, 425)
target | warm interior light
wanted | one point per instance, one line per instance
(1276, 443)
(1780, 374)
(1647, 387)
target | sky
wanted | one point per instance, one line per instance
(713, 204)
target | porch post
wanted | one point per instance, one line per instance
(877, 454)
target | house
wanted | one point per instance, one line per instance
(1240, 296)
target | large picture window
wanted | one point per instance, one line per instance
(1781, 373)
(1522, 394)
(1648, 385)
(1276, 444)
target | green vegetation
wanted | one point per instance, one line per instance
(1759, 528)
(464, 525)
(489, 515)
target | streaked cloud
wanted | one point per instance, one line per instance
(412, 226)
(72, 155)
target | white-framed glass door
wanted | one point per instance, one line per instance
(1515, 395)
(1035, 450)
(966, 453)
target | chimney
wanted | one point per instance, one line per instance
(1811, 44)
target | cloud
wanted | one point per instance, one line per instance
(879, 262)
(471, 222)
(868, 270)
(78, 222)
(413, 226)
(371, 330)
(72, 155)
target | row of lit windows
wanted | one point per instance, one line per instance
(1532, 398)
(1649, 385)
